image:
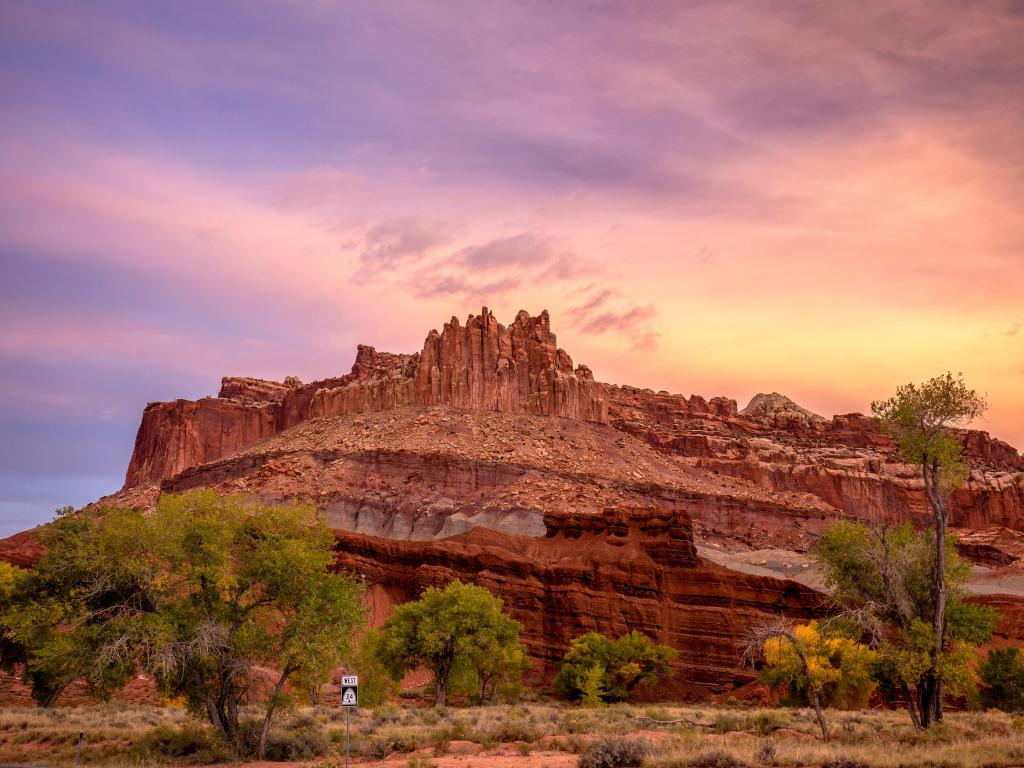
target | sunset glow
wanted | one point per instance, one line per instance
(723, 198)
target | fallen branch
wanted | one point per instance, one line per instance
(684, 720)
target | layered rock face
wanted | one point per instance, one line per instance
(844, 466)
(627, 569)
(575, 525)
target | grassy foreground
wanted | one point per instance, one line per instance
(513, 735)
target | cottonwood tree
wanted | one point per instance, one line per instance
(839, 665)
(883, 578)
(199, 594)
(624, 663)
(921, 419)
(760, 638)
(462, 625)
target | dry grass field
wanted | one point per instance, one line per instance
(520, 735)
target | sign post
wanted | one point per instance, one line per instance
(349, 699)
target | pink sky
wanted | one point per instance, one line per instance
(821, 199)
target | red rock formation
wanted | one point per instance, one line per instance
(626, 569)
(480, 366)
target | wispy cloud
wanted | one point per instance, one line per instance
(605, 311)
(799, 190)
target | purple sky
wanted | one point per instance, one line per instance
(820, 198)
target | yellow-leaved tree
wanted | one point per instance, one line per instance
(838, 668)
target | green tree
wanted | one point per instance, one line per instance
(1002, 679)
(461, 625)
(375, 684)
(921, 419)
(883, 579)
(12, 646)
(198, 593)
(624, 663)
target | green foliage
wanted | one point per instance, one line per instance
(375, 684)
(198, 593)
(12, 645)
(623, 664)
(460, 629)
(1002, 679)
(919, 418)
(885, 577)
(592, 690)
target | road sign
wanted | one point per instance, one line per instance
(349, 690)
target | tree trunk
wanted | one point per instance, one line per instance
(815, 700)
(924, 700)
(271, 706)
(442, 671)
(911, 707)
(934, 493)
(440, 692)
(213, 713)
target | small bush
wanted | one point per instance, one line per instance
(715, 758)
(376, 747)
(762, 723)
(576, 722)
(192, 741)
(420, 761)
(765, 754)
(843, 762)
(296, 745)
(614, 753)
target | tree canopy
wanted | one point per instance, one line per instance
(460, 626)
(882, 579)
(838, 667)
(1002, 679)
(597, 667)
(197, 593)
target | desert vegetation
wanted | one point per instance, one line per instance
(406, 733)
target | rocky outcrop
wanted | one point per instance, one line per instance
(846, 464)
(479, 366)
(448, 463)
(779, 411)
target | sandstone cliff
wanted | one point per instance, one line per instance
(480, 366)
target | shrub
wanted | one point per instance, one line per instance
(614, 753)
(715, 758)
(843, 762)
(598, 668)
(295, 745)
(1002, 679)
(199, 744)
(765, 754)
